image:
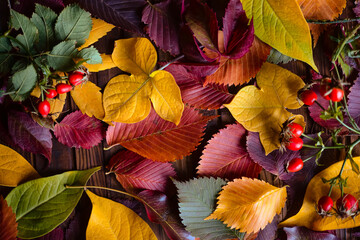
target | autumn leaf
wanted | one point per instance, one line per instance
(107, 63)
(113, 221)
(8, 224)
(99, 29)
(274, 18)
(301, 233)
(136, 172)
(226, 155)
(263, 108)
(354, 101)
(249, 204)
(14, 169)
(159, 140)
(56, 105)
(309, 218)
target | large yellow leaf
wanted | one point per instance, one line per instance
(113, 221)
(263, 109)
(107, 63)
(14, 169)
(99, 29)
(282, 25)
(89, 100)
(308, 217)
(249, 204)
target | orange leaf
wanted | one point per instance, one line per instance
(8, 224)
(249, 204)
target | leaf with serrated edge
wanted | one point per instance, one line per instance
(22, 83)
(61, 56)
(99, 29)
(197, 199)
(8, 224)
(14, 169)
(113, 221)
(249, 204)
(42, 204)
(90, 55)
(274, 18)
(5, 59)
(107, 63)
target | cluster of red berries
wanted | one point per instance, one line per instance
(346, 206)
(75, 78)
(294, 143)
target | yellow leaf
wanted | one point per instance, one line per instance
(249, 204)
(57, 105)
(89, 100)
(113, 221)
(99, 29)
(107, 63)
(36, 92)
(166, 97)
(282, 25)
(14, 169)
(308, 217)
(263, 109)
(135, 55)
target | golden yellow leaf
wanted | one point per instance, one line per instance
(14, 169)
(113, 221)
(135, 55)
(249, 204)
(282, 25)
(36, 92)
(89, 100)
(308, 217)
(57, 105)
(107, 63)
(263, 109)
(99, 29)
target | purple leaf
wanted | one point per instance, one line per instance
(269, 231)
(79, 130)
(27, 7)
(29, 135)
(121, 13)
(302, 233)
(354, 101)
(189, 47)
(56, 234)
(163, 25)
(356, 9)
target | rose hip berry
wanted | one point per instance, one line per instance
(51, 93)
(63, 88)
(76, 78)
(295, 129)
(325, 204)
(347, 205)
(294, 144)
(44, 108)
(295, 165)
(336, 95)
(308, 97)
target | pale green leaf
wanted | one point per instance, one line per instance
(90, 55)
(22, 83)
(61, 56)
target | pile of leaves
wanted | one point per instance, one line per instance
(181, 64)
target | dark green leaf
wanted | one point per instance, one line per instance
(197, 200)
(22, 83)
(44, 19)
(19, 65)
(277, 57)
(90, 55)
(73, 23)
(61, 56)
(42, 204)
(5, 58)
(354, 166)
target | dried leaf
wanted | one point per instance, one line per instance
(99, 29)
(301, 233)
(249, 204)
(8, 224)
(56, 105)
(159, 140)
(226, 156)
(263, 109)
(113, 221)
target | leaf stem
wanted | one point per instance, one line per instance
(322, 147)
(313, 21)
(347, 126)
(171, 62)
(308, 137)
(343, 43)
(320, 105)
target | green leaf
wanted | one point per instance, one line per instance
(61, 56)
(73, 23)
(22, 83)
(197, 199)
(90, 55)
(354, 166)
(277, 57)
(30, 32)
(44, 19)
(19, 65)
(6, 58)
(43, 204)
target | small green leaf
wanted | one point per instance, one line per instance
(61, 56)
(43, 204)
(22, 83)
(73, 23)
(90, 55)
(6, 59)
(354, 166)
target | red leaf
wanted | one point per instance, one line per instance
(8, 224)
(79, 130)
(226, 156)
(193, 92)
(160, 140)
(135, 171)
(29, 135)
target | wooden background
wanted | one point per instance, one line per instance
(65, 158)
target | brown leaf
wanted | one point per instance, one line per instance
(8, 224)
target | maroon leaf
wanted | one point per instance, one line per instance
(135, 171)
(8, 224)
(159, 211)
(269, 231)
(27, 7)
(226, 156)
(29, 135)
(354, 100)
(302, 233)
(79, 130)
(56, 234)
(195, 94)
(189, 47)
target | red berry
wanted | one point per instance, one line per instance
(295, 129)
(308, 97)
(325, 89)
(336, 95)
(51, 93)
(294, 144)
(63, 88)
(325, 204)
(44, 108)
(76, 78)
(347, 204)
(295, 165)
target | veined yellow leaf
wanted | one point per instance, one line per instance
(113, 221)
(14, 169)
(282, 25)
(99, 29)
(107, 63)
